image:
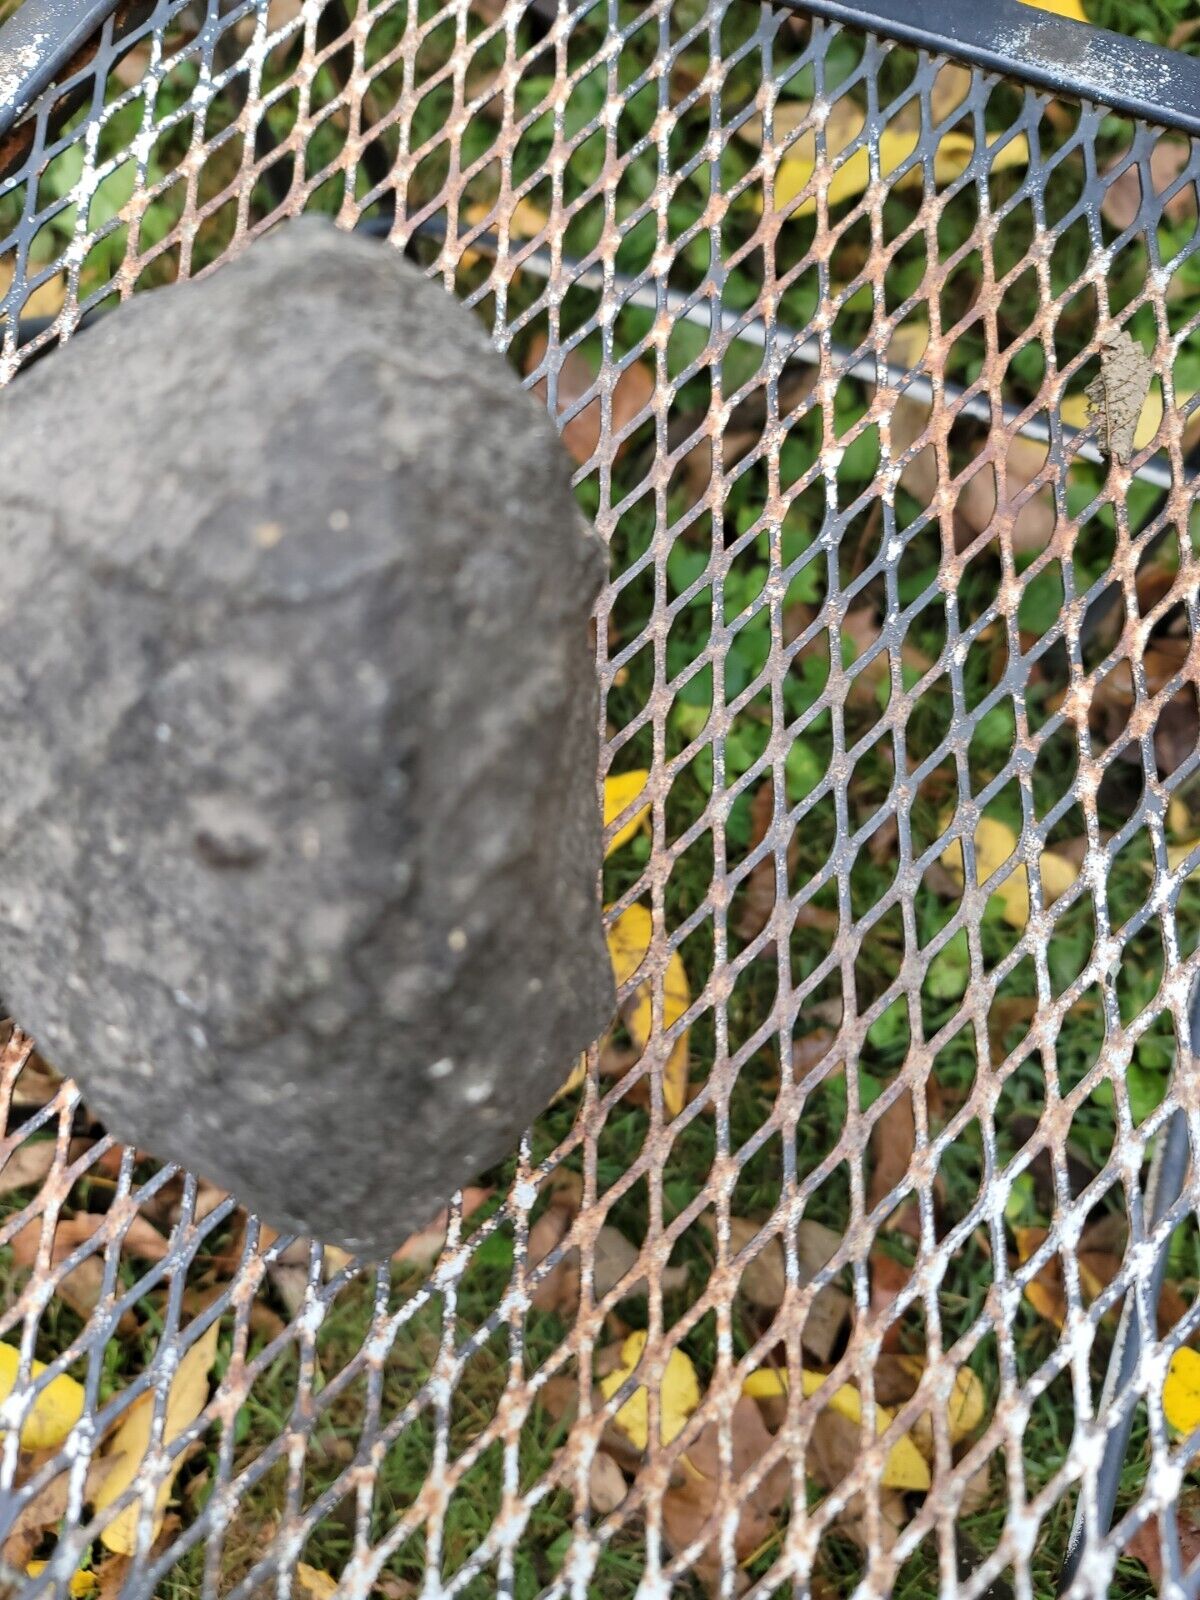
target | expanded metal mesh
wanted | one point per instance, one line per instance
(911, 672)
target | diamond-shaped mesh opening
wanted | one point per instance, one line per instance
(900, 683)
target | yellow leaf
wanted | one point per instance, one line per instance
(1060, 8)
(55, 1412)
(185, 1401)
(766, 1384)
(1178, 817)
(679, 1394)
(319, 1585)
(82, 1584)
(1181, 1391)
(629, 942)
(1075, 412)
(620, 792)
(1177, 854)
(995, 842)
(896, 145)
(525, 221)
(968, 1404)
(578, 1074)
(628, 945)
(905, 1467)
(964, 1410)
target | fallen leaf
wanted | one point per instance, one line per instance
(55, 1411)
(968, 1405)
(1181, 1391)
(128, 1444)
(314, 1583)
(1047, 1292)
(48, 1507)
(27, 1165)
(612, 1258)
(679, 1394)
(690, 1503)
(632, 393)
(757, 895)
(524, 221)
(1146, 1544)
(606, 1483)
(82, 1583)
(862, 626)
(1123, 196)
(764, 1280)
(897, 1378)
(37, 1082)
(628, 945)
(425, 1246)
(854, 1520)
(905, 1467)
(1060, 8)
(389, 1587)
(1177, 732)
(558, 1291)
(45, 301)
(889, 1278)
(831, 1307)
(138, 1238)
(793, 179)
(619, 792)
(995, 844)
(1116, 399)
(978, 1492)
(892, 1146)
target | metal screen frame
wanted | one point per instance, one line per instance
(579, 293)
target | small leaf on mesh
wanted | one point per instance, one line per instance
(1119, 393)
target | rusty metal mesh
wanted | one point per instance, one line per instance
(815, 313)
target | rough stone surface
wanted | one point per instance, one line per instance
(299, 836)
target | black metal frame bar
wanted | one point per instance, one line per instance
(1052, 52)
(1006, 36)
(36, 43)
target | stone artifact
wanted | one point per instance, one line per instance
(300, 838)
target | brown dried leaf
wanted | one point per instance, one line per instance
(689, 1506)
(893, 1515)
(764, 1279)
(559, 1290)
(892, 1144)
(49, 1505)
(1123, 197)
(1177, 732)
(606, 1483)
(37, 1083)
(1047, 1292)
(862, 627)
(889, 1278)
(27, 1166)
(1145, 1546)
(426, 1245)
(1117, 396)
(756, 897)
(612, 1257)
(632, 393)
(82, 1286)
(831, 1308)
(140, 1238)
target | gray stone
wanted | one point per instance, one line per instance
(299, 835)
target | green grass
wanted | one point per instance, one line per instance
(877, 959)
